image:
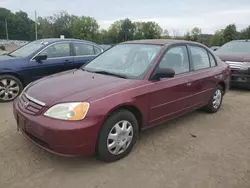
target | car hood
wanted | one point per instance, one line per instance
(74, 85)
(5, 60)
(237, 57)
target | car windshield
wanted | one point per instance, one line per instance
(127, 60)
(27, 49)
(235, 47)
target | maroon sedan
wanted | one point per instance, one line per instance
(133, 86)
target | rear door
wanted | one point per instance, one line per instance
(84, 52)
(59, 58)
(171, 97)
(205, 71)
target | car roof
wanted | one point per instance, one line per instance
(243, 40)
(159, 41)
(52, 40)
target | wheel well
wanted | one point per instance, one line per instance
(13, 74)
(135, 111)
(223, 85)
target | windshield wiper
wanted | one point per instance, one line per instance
(8, 54)
(109, 73)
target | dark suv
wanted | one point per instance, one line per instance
(237, 55)
(41, 58)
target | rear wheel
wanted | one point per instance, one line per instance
(10, 88)
(117, 137)
(215, 101)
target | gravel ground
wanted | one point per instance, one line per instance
(198, 150)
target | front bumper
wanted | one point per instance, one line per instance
(70, 139)
(240, 78)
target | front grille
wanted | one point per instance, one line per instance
(29, 106)
(234, 65)
(234, 71)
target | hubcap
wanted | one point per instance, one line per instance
(217, 98)
(120, 137)
(9, 89)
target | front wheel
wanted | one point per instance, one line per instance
(10, 88)
(117, 137)
(215, 101)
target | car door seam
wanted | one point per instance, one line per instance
(157, 106)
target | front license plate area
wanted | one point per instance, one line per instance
(34, 129)
(21, 122)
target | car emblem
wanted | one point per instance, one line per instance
(26, 104)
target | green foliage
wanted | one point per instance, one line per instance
(217, 39)
(84, 28)
(196, 34)
(245, 33)
(230, 33)
(21, 27)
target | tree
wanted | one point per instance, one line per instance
(187, 36)
(6, 15)
(217, 38)
(195, 34)
(114, 32)
(139, 33)
(85, 28)
(62, 24)
(45, 28)
(151, 30)
(245, 33)
(19, 25)
(165, 34)
(230, 33)
(127, 29)
(25, 27)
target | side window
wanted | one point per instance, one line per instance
(57, 50)
(212, 60)
(177, 59)
(82, 49)
(97, 50)
(200, 58)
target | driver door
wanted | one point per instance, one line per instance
(59, 58)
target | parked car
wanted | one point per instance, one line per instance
(41, 58)
(237, 55)
(102, 107)
(214, 48)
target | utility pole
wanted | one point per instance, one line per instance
(6, 29)
(36, 24)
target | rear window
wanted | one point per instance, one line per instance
(235, 47)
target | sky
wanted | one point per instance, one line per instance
(175, 16)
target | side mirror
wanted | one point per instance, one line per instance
(163, 73)
(40, 57)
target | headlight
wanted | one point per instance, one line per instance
(68, 111)
(245, 66)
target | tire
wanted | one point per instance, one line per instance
(10, 88)
(108, 155)
(211, 107)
